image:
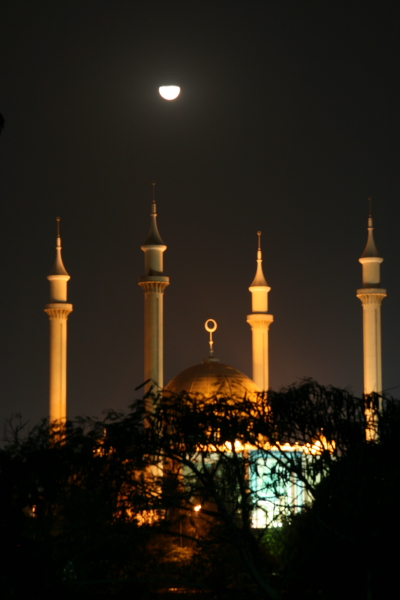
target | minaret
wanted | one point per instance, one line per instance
(371, 296)
(58, 311)
(153, 285)
(259, 322)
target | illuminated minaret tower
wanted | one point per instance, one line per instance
(58, 310)
(371, 296)
(259, 322)
(153, 284)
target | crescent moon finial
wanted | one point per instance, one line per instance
(211, 326)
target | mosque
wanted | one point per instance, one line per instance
(211, 377)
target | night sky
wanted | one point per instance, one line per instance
(288, 119)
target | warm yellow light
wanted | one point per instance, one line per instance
(316, 447)
(169, 92)
(146, 517)
(197, 508)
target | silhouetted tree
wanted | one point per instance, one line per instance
(108, 506)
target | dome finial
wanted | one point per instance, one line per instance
(211, 326)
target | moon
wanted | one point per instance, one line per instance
(169, 92)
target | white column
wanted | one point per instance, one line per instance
(259, 324)
(58, 311)
(153, 284)
(372, 338)
(154, 329)
(58, 315)
(371, 296)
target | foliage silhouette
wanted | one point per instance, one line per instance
(106, 507)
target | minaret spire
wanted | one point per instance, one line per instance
(371, 296)
(58, 310)
(153, 284)
(260, 322)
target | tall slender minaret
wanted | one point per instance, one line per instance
(153, 284)
(259, 322)
(58, 311)
(371, 296)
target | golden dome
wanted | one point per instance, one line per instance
(212, 378)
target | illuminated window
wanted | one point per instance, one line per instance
(275, 490)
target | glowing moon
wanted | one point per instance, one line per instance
(169, 92)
